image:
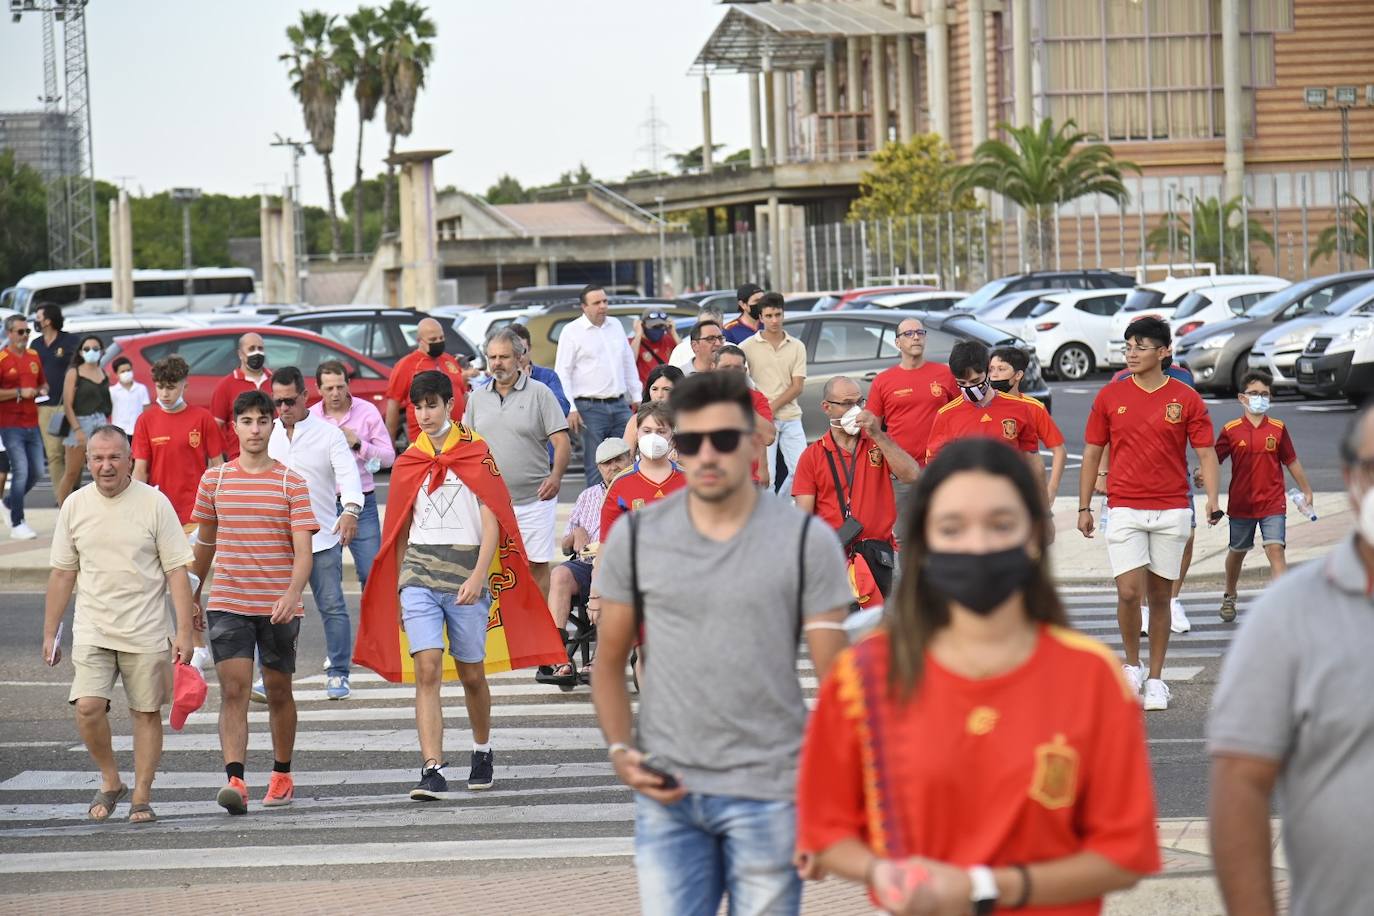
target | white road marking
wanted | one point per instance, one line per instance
(1325, 408)
(390, 740)
(348, 711)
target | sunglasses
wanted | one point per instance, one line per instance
(22, 332)
(723, 441)
(285, 402)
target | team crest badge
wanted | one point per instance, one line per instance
(1008, 429)
(1120, 411)
(33, 366)
(875, 457)
(1055, 783)
(636, 505)
(936, 391)
(1173, 412)
(193, 438)
(981, 720)
(1271, 444)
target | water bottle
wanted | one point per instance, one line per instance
(1301, 504)
(1102, 518)
(373, 465)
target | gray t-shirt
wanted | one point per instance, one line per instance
(1296, 688)
(516, 428)
(720, 699)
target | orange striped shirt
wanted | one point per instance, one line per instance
(256, 515)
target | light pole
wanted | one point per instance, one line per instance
(662, 251)
(186, 197)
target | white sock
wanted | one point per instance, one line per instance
(481, 748)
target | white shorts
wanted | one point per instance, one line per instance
(1148, 537)
(537, 521)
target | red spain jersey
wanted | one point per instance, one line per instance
(765, 410)
(1045, 761)
(1149, 433)
(1045, 427)
(21, 370)
(907, 401)
(1007, 418)
(178, 448)
(631, 491)
(652, 355)
(1258, 453)
(870, 499)
(411, 365)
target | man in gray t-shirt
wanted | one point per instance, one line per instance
(730, 577)
(1292, 713)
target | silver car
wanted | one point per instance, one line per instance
(1277, 350)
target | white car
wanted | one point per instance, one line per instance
(478, 323)
(940, 300)
(1011, 311)
(1158, 300)
(1219, 303)
(1278, 349)
(1072, 329)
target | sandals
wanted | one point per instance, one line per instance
(564, 675)
(142, 808)
(106, 800)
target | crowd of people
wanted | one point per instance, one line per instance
(932, 770)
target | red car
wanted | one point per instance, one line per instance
(212, 354)
(837, 301)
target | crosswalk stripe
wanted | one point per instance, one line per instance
(345, 711)
(389, 741)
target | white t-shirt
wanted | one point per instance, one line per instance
(450, 516)
(127, 404)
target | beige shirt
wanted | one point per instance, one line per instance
(121, 550)
(773, 369)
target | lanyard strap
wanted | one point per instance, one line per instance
(849, 471)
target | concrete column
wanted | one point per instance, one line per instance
(778, 113)
(707, 159)
(755, 122)
(1232, 98)
(937, 66)
(808, 92)
(832, 94)
(1021, 61)
(419, 241)
(125, 279)
(541, 274)
(854, 82)
(774, 244)
(906, 97)
(878, 66)
(291, 275)
(268, 248)
(770, 137)
(978, 70)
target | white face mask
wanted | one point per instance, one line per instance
(173, 408)
(850, 421)
(1258, 403)
(653, 446)
(1365, 522)
(975, 394)
(91, 356)
(126, 376)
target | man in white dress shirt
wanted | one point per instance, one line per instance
(597, 369)
(319, 452)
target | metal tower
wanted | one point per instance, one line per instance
(55, 134)
(83, 230)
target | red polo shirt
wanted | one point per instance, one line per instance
(870, 499)
(222, 404)
(20, 370)
(1010, 419)
(411, 365)
(1258, 456)
(765, 410)
(908, 399)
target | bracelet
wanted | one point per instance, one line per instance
(616, 747)
(1085, 508)
(1024, 899)
(1101, 473)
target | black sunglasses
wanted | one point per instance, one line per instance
(285, 402)
(22, 332)
(723, 441)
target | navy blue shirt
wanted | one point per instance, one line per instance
(56, 360)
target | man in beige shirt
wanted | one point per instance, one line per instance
(777, 363)
(120, 541)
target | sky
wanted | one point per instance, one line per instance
(190, 92)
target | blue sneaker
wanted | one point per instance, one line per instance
(336, 688)
(480, 776)
(259, 694)
(432, 782)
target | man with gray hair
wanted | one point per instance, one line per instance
(683, 353)
(1291, 713)
(519, 418)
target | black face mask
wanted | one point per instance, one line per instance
(755, 311)
(1002, 384)
(435, 350)
(256, 361)
(980, 582)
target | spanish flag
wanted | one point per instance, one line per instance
(520, 631)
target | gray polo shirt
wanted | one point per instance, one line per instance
(516, 428)
(1296, 688)
(721, 702)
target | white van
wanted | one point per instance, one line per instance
(1159, 300)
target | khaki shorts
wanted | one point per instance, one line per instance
(147, 676)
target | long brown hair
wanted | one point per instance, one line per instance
(918, 611)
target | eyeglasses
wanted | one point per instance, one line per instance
(1132, 348)
(917, 333)
(22, 332)
(285, 402)
(849, 405)
(712, 338)
(723, 441)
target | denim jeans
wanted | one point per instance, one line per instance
(326, 584)
(25, 447)
(792, 440)
(600, 421)
(368, 539)
(689, 854)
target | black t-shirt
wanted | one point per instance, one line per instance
(56, 359)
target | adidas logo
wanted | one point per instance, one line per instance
(985, 419)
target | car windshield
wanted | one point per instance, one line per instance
(983, 333)
(985, 294)
(1141, 299)
(1355, 298)
(1191, 304)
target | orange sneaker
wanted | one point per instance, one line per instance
(233, 797)
(280, 790)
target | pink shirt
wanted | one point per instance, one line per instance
(366, 422)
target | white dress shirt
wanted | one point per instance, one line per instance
(596, 362)
(319, 452)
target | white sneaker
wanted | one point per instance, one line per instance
(22, 532)
(325, 666)
(1134, 676)
(1156, 694)
(201, 659)
(1178, 620)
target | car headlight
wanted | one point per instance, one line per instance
(1216, 341)
(1295, 341)
(1356, 334)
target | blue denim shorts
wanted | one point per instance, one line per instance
(1273, 530)
(428, 614)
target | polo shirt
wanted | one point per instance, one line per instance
(56, 359)
(517, 428)
(774, 367)
(1009, 419)
(870, 499)
(906, 400)
(1258, 454)
(222, 404)
(411, 365)
(178, 447)
(20, 370)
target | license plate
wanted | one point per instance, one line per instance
(1306, 365)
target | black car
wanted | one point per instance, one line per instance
(385, 334)
(863, 343)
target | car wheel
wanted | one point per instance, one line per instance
(1239, 371)
(1072, 362)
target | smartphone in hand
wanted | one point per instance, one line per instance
(55, 650)
(656, 767)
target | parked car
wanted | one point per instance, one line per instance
(558, 293)
(108, 327)
(385, 334)
(212, 353)
(1219, 303)
(477, 324)
(861, 344)
(1071, 330)
(1159, 299)
(940, 300)
(803, 302)
(546, 326)
(1011, 311)
(722, 299)
(1339, 361)
(1278, 348)
(1047, 279)
(839, 301)
(1218, 354)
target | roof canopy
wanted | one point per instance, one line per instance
(792, 36)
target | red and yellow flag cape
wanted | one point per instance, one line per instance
(520, 632)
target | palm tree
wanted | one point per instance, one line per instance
(317, 81)
(1356, 234)
(1042, 167)
(1197, 234)
(406, 54)
(360, 57)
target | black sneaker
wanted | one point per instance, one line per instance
(480, 775)
(432, 782)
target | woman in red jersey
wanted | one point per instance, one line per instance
(978, 754)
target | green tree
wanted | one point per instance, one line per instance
(911, 179)
(1043, 166)
(317, 80)
(1356, 241)
(359, 50)
(1197, 234)
(23, 220)
(406, 31)
(507, 190)
(694, 159)
(739, 155)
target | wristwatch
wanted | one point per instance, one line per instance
(357, 445)
(983, 894)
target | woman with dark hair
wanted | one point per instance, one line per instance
(657, 387)
(976, 749)
(86, 404)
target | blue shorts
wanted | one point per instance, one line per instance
(427, 614)
(582, 573)
(1273, 530)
